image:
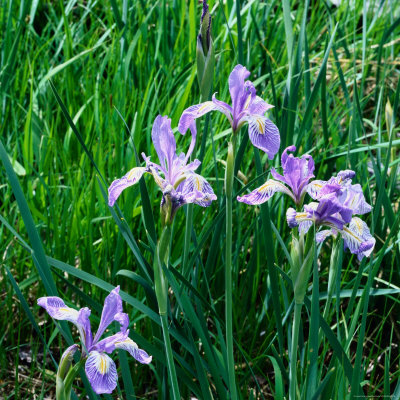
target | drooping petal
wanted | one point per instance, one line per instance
(112, 307)
(164, 141)
(353, 197)
(264, 193)
(132, 348)
(57, 309)
(237, 87)
(196, 189)
(264, 134)
(358, 238)
(127, 180)
(322, 235)
(101, 372)
(190, 114)
(300, 219)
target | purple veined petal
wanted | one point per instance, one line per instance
(318, 189)
(107, 345)
(164, 141)
(291, 214)
(285, 155)
(300, 219)
(264, 134)
(123, 320)
(223, 107)
(193, 165)
(322, 235)
(345, 175)
(237, 87)
(132, 348)
(57, 309)
(196, 189)
(277, 176)
(117, 186)
(358, 239)
(190, 114)
(306, 219)
(353, 197)
(314, 187)
(258, 106)
(265, 192)
(112, 307)
(296, 172)
(101, 372)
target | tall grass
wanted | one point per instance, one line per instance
(80, 85)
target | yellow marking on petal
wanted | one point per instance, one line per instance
(347, 230)
(301, 215)
(203, 107)
(198, 185)
(246, 105)
(260, 123)
(132, 174)
(103, 366)
(265, 187)
(358, 224)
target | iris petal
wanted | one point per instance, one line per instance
(101, 372)
(132, 348)
(112, 307)
(264, 193)
(196, 189)
(357, 238)
(131, 178)
(164, 141)
(264, 134)
(57, 309)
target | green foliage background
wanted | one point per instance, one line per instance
(336, 97)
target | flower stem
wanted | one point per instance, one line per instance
(161, 287)
(293, 351)
(188, 231)
(229, 175)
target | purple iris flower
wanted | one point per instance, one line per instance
(328, 211)
(297, 172)
(100, 368)
(174, 175)
(246, 107)
(349, 195)
(335, 210)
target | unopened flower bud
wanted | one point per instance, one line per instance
(205, 54)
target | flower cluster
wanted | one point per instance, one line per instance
(338, 202)
(99, 367)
